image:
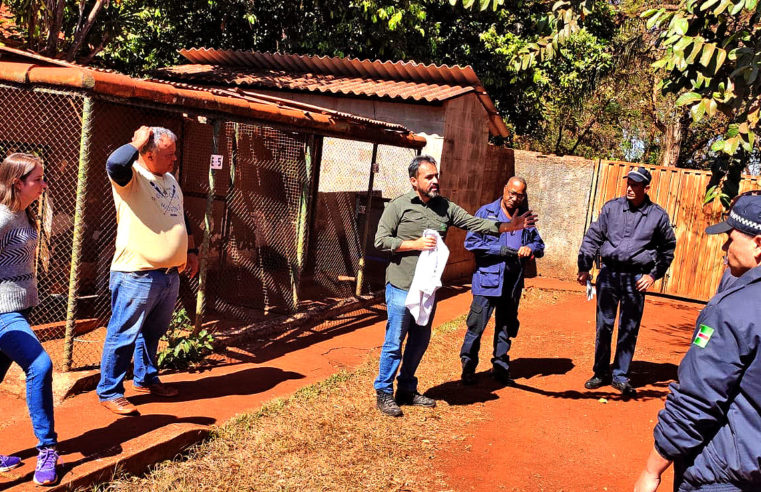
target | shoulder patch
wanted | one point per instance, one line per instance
(703, 336)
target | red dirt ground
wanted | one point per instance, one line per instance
(549, 432)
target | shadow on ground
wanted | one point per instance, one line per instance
(246, 382)
(455, 393)
(118, 432)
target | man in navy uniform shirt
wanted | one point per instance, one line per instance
(636, 243)
(710, 427)
(498, 281)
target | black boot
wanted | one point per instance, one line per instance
(386, 404)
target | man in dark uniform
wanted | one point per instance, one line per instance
(710, 426)
(635, 240)
(498, 281)
(400, 232)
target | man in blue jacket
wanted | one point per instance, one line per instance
(498, 281)
(710, 427)
(636, 243)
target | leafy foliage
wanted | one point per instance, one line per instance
(184, 348)
(711, 56)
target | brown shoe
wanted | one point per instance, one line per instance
(120, 406)
(157, 389)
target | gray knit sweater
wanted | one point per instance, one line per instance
(18, 240)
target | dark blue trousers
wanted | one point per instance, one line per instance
(506, 326)
(614, 289)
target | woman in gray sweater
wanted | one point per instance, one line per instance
(21, 183)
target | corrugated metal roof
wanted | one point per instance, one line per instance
(349, 76)
(326, 83)
(30, 68)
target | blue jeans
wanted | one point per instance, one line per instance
(141, 309)
(614, 288)
(19, 344)
(401, 324)
(506, 326)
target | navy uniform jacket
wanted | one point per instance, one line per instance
(711, 423)
(489, 276)
(639, 240)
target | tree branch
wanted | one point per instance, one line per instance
(79, 37)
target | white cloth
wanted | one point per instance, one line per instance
(430, 265)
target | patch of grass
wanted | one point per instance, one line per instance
(329, 436)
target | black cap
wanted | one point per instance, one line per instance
(640, 175)
(745, 216)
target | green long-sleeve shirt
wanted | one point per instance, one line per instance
(406, 217)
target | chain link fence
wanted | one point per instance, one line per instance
(287, 215)
(341, 204)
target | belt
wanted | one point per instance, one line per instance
(624, 268)
(169, 271)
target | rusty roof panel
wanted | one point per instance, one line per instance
(353, 86)
(15, 67)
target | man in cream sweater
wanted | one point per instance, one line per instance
(153, 245)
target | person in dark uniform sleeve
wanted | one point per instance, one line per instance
(498, 281)
(635, 240)
(710, 427)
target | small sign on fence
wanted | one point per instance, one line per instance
(216, 161)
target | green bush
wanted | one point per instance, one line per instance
(184, 349)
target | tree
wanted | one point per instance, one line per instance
(709, 56)
(61, 28)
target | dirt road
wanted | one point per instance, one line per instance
(549, 432)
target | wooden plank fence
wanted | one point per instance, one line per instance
(697, 267)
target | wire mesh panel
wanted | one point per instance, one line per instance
(48, 124)
(269, 251)
(341, 211)
(256, 213)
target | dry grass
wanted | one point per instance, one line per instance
(329, 436)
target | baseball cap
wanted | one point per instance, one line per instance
(745, 216)
(640, 175)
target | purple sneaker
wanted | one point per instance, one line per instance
(45, 473)
(8, 463)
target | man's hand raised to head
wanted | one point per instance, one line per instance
(523, 221)
(141, 137)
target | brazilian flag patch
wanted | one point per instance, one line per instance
(703, 336)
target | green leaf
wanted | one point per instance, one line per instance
(687, 98)
(708, 50)
(644, 15)
(698, 110)
(721, 55)
(731, 145)
(467, 3)
(733, 130)
(718, 145)
(722, 7)
(681, 25)
(737, 8)
(711, 107)
(483, 4)
(652, 20)
(696, 47)
(751, 4)
(707, 4)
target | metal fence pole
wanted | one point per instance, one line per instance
(76, 244)
(366, 228)
(207, 220)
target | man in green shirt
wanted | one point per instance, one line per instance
(400, 232)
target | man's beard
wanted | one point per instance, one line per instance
(431, 193)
